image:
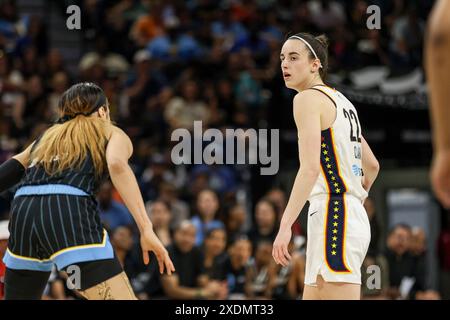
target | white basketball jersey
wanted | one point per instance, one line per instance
(340, 151)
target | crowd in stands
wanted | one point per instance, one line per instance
(164, 65)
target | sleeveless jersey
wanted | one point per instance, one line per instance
(340, 151)
(83, 178)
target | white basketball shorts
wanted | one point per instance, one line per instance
(338, 239)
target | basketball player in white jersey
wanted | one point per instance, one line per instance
(337, 169)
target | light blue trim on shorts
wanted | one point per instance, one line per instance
(89, 253)
(63, 258)
(46, 189)
(15, 262)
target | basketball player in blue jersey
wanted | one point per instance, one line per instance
(54, 214)
(337, 169)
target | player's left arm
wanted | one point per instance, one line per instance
(118, 152)
(307, 119)
(13, 170)
(370, 165)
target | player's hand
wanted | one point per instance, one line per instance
(280, 251)
(440, 177)
(150, 242)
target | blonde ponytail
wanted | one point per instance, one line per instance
(71, 142)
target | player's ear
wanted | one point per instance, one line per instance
(316, 65)
(102, 112)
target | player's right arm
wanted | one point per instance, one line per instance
(118, 152)
(370, 165)
(307, 116)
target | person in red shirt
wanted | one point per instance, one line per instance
(4, 235)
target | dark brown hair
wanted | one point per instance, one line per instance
(320, 46)
(76, 134)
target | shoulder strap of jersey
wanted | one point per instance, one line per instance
(328, 91)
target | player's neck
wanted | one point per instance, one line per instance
(310, 83)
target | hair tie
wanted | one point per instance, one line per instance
(70, 117)
(100, 103)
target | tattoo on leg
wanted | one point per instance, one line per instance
(127, 282)
(104, 291)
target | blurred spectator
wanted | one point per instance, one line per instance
(189, 280)
(257, 276)
(113, 63)
(235, 222)
(187, 107)
(9, 24)
(59, 83)
(406, 274)
(156, 173)
(11, 79)
(32, 107)
(4, 235)
(112, 213)
(418, 249)
(144, 82)
(265, 228)
(407, 39)
(180, 209)
(253, 42)
(278, 198)
(373, 292)
(148, 26)
(207, 206)
(226, 31)
(55, 63)
(236, 267)
(444, 257)
(214, 254)
(248, 89)
(175, 43)
(418, 242)
(222, 179)
(326, 15)
(373, 49)
(122, 242)
(56, 288)
(160, 214)
(287, 282)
